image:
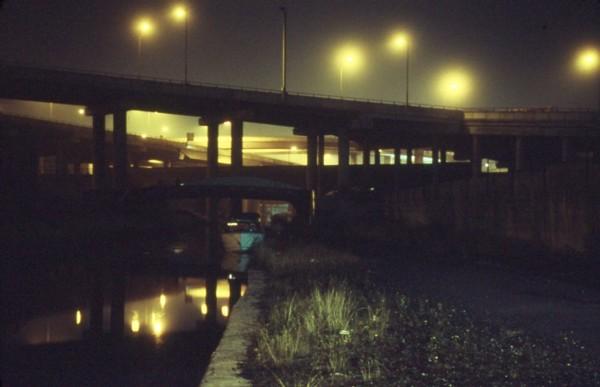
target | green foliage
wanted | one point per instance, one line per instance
(339, 330)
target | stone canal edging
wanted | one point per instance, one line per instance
(226, 361)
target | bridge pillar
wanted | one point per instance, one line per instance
(377, 156)
(120, 148)
(435, 162)
(320, 162)
(99, 139)
(212, 148)
(409, 155)
(396, 156)
(212, 202)
(311, 161)
(418, 156)
(475, 156)
(518, 162)
(443, 155)
(237, 135)
(343, 159)
(366, 151)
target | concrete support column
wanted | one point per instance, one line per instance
(366, 151)
(435, 154)
(518, 154)
(565, 149)
(212, 149)
(377, 156)
(311, 161)
(475, 156)
(396, 156)
(418, 156)
(320, 162)
(212, 203)
(343, 158)
(237, 134)
(443, 151)
(120, 147)
(409, 154)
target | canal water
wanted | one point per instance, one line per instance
(169, 316)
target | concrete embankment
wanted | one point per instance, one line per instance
(227, 360)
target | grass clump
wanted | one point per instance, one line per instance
(332, 327)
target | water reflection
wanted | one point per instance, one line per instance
(152, 308)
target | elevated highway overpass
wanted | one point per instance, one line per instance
(514, 136)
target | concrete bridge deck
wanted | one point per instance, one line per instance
(516, 137)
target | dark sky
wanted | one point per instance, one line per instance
(519, 52)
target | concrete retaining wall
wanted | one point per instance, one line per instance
(558, 209)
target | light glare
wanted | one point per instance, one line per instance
(454, 86)
(144, 27)
(349, 58)
(399, 41)
(179, 12)
(588, 60)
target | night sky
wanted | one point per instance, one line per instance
(519, 53)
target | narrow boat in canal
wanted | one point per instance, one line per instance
(242, 233)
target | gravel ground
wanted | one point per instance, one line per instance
(505, 295)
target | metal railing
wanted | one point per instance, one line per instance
(121, 76)
(273, 92)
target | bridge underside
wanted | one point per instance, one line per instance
(519, 139)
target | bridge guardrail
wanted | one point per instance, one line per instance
(277, 93)
(470, 112)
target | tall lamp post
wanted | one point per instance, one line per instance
(143, 27)
(348, 58)
(400, 42)
(180, 15)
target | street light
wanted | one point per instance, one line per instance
(348, 58)
(400, 42)
(179, 13)
(454, 86)
(587, 62)
(143, 27)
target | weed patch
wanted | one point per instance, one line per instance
(327, 324)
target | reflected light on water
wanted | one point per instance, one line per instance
(145, 312)
(225, 310)
(157, 324)
(135, 322)
(78, 317)
(200, 291)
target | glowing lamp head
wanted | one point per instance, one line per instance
(454, 86)
(179, 12)
(144, 27)
(349, 58)
(399, 42)
(588, 61)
